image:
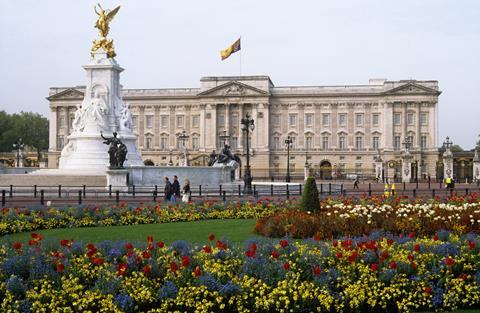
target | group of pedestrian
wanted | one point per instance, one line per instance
(172, 190)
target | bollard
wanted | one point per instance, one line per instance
(59, 191)
(79, 197)
(220, 190)
(156, 188)
(34, 191)
(341, 188)
(109, 191)
(84, 190)
(42, 197)
(271, 190)
(254, 189)
(200, 190)
(466, 192)
(416, 183)
(404, 186)
(440, 185)
(369, 189)
(3, 198)
(11, 191)
(155, 195)
(428, 184)
(451, 192)
(239, 191)
(300, 189)
(117, 196)
(321, 188)
(414, 193)
(433, 193)
(329, 188)
(288, 192)
(224, 195)
(133, 191)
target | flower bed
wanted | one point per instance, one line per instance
(347, 217)
(379, 273)
(16, 220)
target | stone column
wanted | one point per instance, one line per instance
(406, 167)
(476, 166)
(52, 129)
(447, 164)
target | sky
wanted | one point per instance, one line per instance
(173, 43)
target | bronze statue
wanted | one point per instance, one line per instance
(117, 151)
(213, 158)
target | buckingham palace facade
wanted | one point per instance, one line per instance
(336, 129)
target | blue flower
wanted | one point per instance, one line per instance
(182, 247)
(16, 286)
(124, 302)
(168, 290)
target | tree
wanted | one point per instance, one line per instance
(310, 201)
(456, 148)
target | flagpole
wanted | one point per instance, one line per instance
(240, 56)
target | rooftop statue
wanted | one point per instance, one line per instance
(103, 26)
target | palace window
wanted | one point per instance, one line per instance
(396, 142)
(410, 139)
(325, 119)
(325, 142)
(195, 121)
(397, 119)
(292, 120)
(164, 121)
(424, 119)
(375, 119)
(375, 142)
(423, 142)
(234, 143)
(359, 119)
(410, 118)
(276, 143)
(164, 142)
(195, 143)
(234, 120)
(294, 142)
(61, 122)
(179, 121)
(309, 119)
(342, 119)
(359, 142)
(308, 142)
(134, 121)
(342, 142)
(148, 142)
(149, 121)
(221, 120)
(60, 142)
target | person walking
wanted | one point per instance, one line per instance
(186, 191)
(168, 189)
(355, 183)
(175, 188)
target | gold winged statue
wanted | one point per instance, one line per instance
(103, 26)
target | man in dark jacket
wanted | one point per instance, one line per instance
(168, 189)
(176, 187)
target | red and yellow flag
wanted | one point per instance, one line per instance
(231, 49)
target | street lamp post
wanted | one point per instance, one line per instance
(288, 142)
(18, 146)
(170, 163)
(247, 127)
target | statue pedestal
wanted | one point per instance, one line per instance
(447, 164)
(406, 167)
(117, 179)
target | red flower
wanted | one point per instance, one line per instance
(449, 261)
(122, 269)
(275, 254)
(339, 255)
(283, 243)
(471, 244)
(160, 244)
(253, 247)
(197, 272)
(60, 267)
(250, 253)
(185, 261)
(353, 257)
(427, 290)
(392, 265)
(221, 245)
(414, 265)
(207, 249)
(286, 266)
(416, 248)
(150, 239)
(17, 245)
(98, 261)
(173, 267)
(435, 237)
(410, 257)
(335, 243)
(37, 236)
(91, 246)
(317, 237)
(374, 267)
(384, 255)
(147, 269)
(317, 270)
(146, 255)
(66, 243)
(128, 246)
(211, 237)
(411, 235)
(389, 241)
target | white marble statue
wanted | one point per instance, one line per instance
(96, 110)
(126, 122)
(79, 121)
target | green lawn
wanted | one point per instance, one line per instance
(234, 230)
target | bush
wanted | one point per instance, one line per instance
(310, 201)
